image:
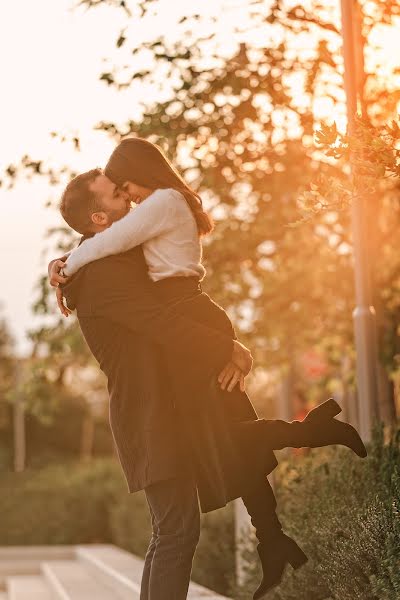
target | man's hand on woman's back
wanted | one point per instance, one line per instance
(230, 376)
(236, 369)
(242, 357)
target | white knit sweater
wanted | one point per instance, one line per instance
(165, 226)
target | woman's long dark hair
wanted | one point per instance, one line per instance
(141, 162)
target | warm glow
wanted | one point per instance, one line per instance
(52, 56)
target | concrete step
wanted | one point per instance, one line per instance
(17, 567)
(85, 572)
(28, 587)
(36, 552)
(117, 569)
(122, 572)
(71, 580)
(25, 560)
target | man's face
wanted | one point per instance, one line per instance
(114, 202)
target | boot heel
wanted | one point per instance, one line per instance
(327, 410)
(297, 558)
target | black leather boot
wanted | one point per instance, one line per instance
(275, 549)
(321, 429)
(318, 429)
(274, 559)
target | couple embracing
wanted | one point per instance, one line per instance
(184, 428)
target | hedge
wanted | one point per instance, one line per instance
(344, 512)
(73, 503)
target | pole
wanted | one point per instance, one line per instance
(19, 423)
(364, 313)
(243, 539)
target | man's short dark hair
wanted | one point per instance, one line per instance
(78, 202)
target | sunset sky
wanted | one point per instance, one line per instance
(51, 57)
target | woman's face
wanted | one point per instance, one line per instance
(136, 192)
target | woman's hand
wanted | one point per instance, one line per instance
(230, 376)
(55, 278)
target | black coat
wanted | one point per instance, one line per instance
(127, 329)
(156, 361)
(228, 442)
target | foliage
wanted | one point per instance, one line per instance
(214, 561)
(8, 371)
(54, 410)
(130, 523)
(240, 127)
(344, 513)
(72, 503)
(239, 124)
(7, 360)
(56, 381)
(60, 439)
(63, 504)
(242, 132)
(374, 154)
(246, 132)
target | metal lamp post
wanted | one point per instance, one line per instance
(364, 313)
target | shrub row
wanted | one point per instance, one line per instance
(344, 512)
(73, 503)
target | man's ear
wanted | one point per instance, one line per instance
(99, 218)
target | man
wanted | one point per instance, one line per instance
(113, 296)
(130, 334)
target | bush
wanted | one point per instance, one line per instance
(130, 523)
(214, 561)
(73, 503)
(344, 513)
(5, 457)
(64, 504)
(61, 438)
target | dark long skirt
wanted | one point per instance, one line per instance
(226, 440)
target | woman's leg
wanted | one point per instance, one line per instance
(318, 429)
(275, 549)
(260, 503)
(176, 532)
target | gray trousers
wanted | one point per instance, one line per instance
(175, 518)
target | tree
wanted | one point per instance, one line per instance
(240, 126)
(231, 115)
(7, 372)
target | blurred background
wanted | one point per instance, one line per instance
(247, 98)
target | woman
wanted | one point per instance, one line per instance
(232, 449)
